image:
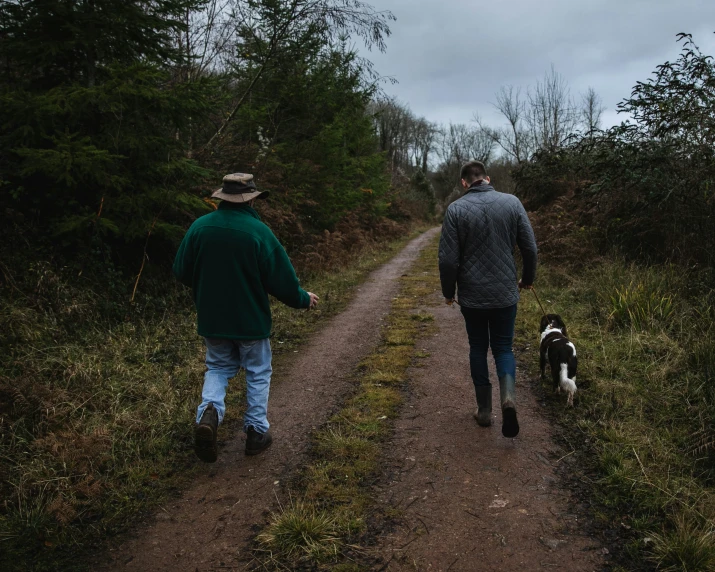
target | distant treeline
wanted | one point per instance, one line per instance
(541, 118)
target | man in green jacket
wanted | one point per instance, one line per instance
(232, 262)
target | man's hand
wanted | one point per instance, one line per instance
(449, 301)
(523, 286)
(313, 300)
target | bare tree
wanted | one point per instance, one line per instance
(591, 111)
(207, 39)
(408, 140)
(458, 144)
(424, 141)
(206, 43)
(461, 143)
(514, 137)
(392, 121)
(551, 114)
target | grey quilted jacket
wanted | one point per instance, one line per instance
(476, 251)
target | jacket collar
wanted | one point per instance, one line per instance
(239, 207)
(480, 187)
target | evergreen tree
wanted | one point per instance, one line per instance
(316, 139)
(92, 116)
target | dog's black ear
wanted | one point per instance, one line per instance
(544, 323)
(561, 325)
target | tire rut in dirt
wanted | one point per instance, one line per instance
(466, 498)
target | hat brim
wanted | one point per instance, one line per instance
(239, 197)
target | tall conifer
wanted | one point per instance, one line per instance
(93, 116)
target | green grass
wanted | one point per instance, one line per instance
(96, 414)
(643, 428)
(685, 545)
(302, 532)
(333, 487)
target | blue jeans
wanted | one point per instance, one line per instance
(495, 328)
(224, 358)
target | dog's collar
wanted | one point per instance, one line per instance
(549, 331)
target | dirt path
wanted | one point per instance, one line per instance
(469, 498)
(211, 526)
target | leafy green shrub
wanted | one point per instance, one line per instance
(646, 184)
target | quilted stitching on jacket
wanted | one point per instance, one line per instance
(476, 251)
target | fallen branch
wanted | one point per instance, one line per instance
(144, 256)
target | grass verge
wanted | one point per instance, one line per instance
(96, 416)
(643, 427)
(322, 524)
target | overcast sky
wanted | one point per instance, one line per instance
(451, 56)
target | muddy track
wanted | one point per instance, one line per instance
(467, 498)
(211, 526)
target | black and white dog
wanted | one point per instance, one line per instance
(561, 354)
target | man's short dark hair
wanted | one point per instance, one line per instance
(473, 171)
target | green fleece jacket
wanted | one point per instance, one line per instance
(232, 261)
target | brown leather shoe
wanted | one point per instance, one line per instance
(257, 442)
(205, 435)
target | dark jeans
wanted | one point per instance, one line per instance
(495, 328)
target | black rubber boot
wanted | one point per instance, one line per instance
(483, 414)
(205, 435)
(507, 390)
(257, 442)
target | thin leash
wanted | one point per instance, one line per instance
(537, 299)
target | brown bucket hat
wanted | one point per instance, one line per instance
(239, 188)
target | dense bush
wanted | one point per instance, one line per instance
(649, 183)
(90, 113)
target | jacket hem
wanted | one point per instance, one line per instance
(234, 336)
(499, 306)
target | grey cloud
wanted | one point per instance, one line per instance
(450, 57)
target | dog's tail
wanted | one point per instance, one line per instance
(568, 385)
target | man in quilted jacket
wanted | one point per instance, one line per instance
(477, 268)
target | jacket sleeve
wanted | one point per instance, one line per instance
(184, 262)
(449, 255)
(526, 242)
(279, 279)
